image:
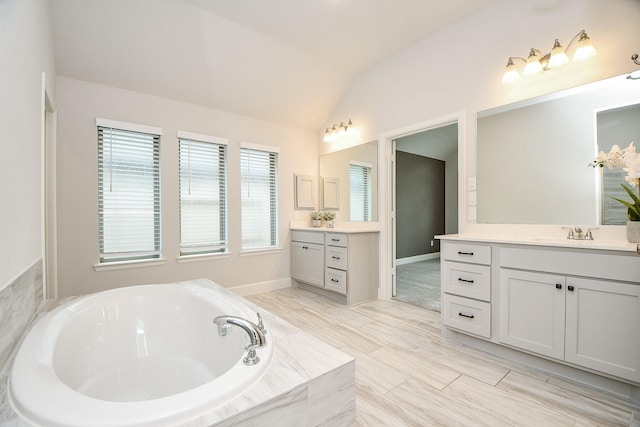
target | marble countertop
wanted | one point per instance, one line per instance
(338, 226)
(548, 241)
(298, 358)
(349, 230)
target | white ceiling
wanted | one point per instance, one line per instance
(286, 61)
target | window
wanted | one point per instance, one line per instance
(360, 191)
(203, 194)
(259, 188)
(128, 191)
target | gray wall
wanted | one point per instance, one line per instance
(420, 204)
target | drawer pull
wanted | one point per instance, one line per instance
(305, 247)
(468, 316)
(558, 286)
(465, 253)
(460, 279)
(335, 240)
(571, 288)
(335, 280)
(335, 257)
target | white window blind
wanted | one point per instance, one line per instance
(128, 194)
(259, 187)
(360, 192)
(203, 197)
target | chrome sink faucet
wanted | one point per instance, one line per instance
(256, 334)
(577, 233)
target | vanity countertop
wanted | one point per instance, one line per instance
(559, 242)
(366, 227)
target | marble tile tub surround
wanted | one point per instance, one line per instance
(19, 302)
(309, 383)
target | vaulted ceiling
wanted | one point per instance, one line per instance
(286, 61)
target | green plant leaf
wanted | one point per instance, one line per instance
(633, 210)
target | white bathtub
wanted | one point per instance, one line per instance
(137, 356)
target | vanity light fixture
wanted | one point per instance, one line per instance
(537, 61)
(337, 131)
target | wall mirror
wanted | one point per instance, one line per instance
(337, 166)
(533, 156)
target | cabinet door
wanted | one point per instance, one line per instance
(307, 263)
(603, 326)
(531, 311)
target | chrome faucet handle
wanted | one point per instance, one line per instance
(261, 324)
(571, 234)
(589, 235)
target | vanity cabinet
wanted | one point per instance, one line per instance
(307, 264)
(339, 265)
(568, 307)
(593, 323)
(466, 287)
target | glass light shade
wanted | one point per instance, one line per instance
(585, 49)
(533, 66)
(511, 73)
(558, 58)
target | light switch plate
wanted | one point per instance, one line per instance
(471, 183)
(471, 198)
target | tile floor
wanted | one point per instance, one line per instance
(418, 283)
(407, 375)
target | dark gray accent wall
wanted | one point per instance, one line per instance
(420, 207)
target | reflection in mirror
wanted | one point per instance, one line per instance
(533, 155)
(361, 193)
(330, 193)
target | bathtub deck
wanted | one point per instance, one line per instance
(308, 382)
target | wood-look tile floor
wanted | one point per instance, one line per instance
(407, 375)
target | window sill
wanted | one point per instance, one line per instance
(202, 257)
(263, 251)
(120, 265)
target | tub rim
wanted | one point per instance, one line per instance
(54, 403)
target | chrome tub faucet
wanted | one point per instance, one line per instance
(256, 334)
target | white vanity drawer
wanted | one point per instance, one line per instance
(308, 236)
(466, 252)
(467, 315)
(335, 280)
(337, 239)
(467, 280)
(336, 257)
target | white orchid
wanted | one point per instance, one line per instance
(632, 163)
(612, 159)
(629, 160)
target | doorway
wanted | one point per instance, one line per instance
(424, 198)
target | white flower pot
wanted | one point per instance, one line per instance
(329, 223)
(633, 231)
(316, 222)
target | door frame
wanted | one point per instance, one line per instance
(386, 190)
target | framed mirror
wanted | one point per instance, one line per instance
(533, 156)
(353, 194)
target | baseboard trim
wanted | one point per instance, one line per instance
(424, 257)
(256, 288)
